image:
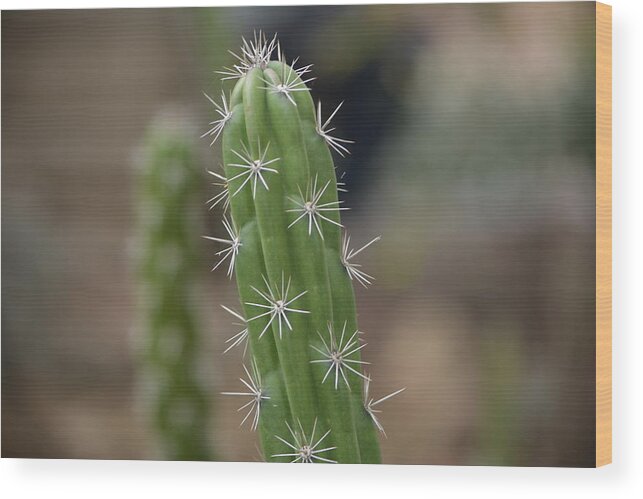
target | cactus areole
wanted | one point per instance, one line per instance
(304, 391)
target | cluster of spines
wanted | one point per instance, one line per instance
(276, 305)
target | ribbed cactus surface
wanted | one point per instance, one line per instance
(304, 378)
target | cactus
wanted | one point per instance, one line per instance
(178, 407)
(294, 272)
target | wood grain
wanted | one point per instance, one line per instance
(603, 234)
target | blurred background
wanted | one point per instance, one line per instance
(474, 160)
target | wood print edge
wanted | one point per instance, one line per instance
(603, 234)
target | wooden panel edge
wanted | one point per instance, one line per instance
(603, 234)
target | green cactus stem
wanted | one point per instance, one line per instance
(168, 254)
(294, 272)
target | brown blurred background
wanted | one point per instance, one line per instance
(474, 161)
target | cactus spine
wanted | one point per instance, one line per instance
(178, 407)
(293, 273)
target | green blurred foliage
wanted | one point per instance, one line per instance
(169, 269)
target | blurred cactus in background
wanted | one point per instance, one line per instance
(294, 273)
(168, 254)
